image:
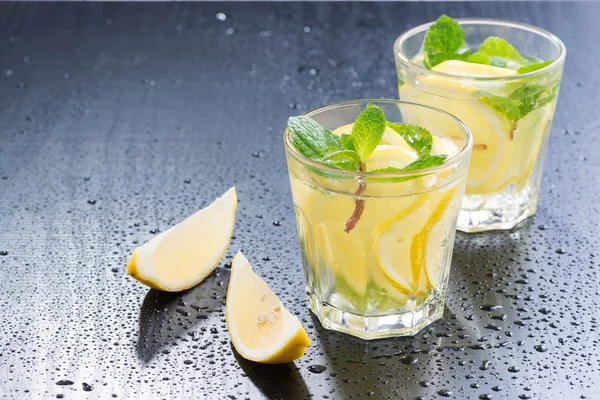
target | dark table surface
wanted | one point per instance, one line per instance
(118, 120)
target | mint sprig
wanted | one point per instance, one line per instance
(368, 131)
(519, 103)
(443, 41)
(350, 152)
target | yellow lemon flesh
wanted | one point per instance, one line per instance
(401, 244)
(185, 254)
(260, 327)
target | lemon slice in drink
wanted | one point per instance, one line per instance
(400, 244)
(386, 155)
(491, 137)
(260, 327)
(438, 241)
(344, 255)
(392, 244)
(184, 255)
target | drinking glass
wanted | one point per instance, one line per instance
(388, 275)
(508, 152)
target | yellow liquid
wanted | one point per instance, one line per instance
(392, 261)
(503, 153)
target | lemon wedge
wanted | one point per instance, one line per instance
(260, 328)
(182, 256)
(491, 130)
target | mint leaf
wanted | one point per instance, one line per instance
(368, 130)
(419, 139)
(444, 38)
(503, 105)
(519, 103)
(426, 161)
(347, 142)
(478, 58)
(534, 67)
(343, 159)
(498, 47)
(311, 139)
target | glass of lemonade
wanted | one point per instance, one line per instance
(503, 84)
(387, 275)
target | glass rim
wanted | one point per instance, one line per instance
(401, 57)
(459, 157)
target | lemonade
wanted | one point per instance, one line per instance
(506, 96)
(376, 243)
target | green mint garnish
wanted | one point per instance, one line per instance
(367, 131)
(350, 152)
(519, 103)
(419, 139)
(533, 67)
(443, 41)
(424, 161)
(478, 59)
(311, 139)
(495, 47)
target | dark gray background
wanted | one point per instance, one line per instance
(107, 110)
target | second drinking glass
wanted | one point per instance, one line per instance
(508, 109)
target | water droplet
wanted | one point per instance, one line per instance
(188, 362)
(409, 360)
(513, 369)
(3, 253)
(485, 364)
(486, 396)
(444, 393)
(307, 29)
(524, 396)
(60, 396)
(21, 85)
(92, 202)
(227, 265)
(221, 17)
(230, 31)
(490, 307)
(424, 383)
(541, 348)
(496, 388)
(317, 368)
(560, 251)
(67, 76)
(276, 223)
(87, 387)
(188, 181)
(9, 72)
(64, 382)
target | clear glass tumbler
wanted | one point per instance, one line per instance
(508, 153)
(387, 276)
